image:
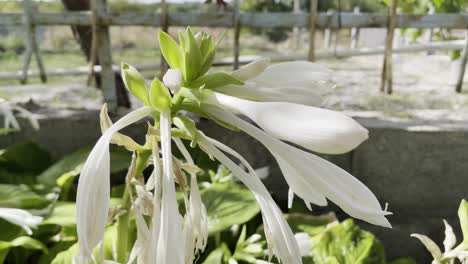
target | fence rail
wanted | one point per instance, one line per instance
(256, 20)
(103, 19)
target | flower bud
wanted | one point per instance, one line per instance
(173, 80)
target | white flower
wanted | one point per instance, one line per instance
(93, 193)
(279, 235)
(173, 79)
(6, 108)
(312, 178)
(316, 129)
(171, 236)
(298, 82)
(21, 218)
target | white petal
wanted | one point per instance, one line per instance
(450, 238)
(20, 217)
(197, 209)
(297, 82)
(93, 193)
(171, 231)
(277, 231)
(251, 70)
(430, 245)
(316, 129)
(303, 170)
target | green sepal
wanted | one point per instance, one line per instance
(208, 50)
(135, 82)
(159, 96)
(215, 80)
(170, 50)
(463, 217)
(188, 125)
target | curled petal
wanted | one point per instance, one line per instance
(93, 193)
(316, 129)
(118, 138)
(430, 245)
(296, 82)
(277, 231)
(303, 170)
(450, 238)
(21, 218)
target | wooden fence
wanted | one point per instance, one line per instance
(101, 20)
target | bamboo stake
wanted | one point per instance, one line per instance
(387, 78)
(31, 44)
(237, 29)
(464, 60)
(328, 32)
(312, 19)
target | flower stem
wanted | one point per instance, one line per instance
(123, 222)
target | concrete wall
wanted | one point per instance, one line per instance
(419, 167)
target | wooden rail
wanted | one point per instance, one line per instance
(102, 20)
(256, 20)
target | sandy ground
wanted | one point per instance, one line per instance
(423, 88)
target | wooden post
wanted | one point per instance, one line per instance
(312, 19)
(463, 61)
(103, 49)
(296, 30)
(355, 31)
(31, 44)
(327, 36)
(237, 28)
(387, 78)
(165, 28)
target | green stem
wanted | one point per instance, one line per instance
(123, 222)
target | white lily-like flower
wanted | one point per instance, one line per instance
(21, 218)
(93, 195)
(280, 238)
(7, 108)
(196, 210)
(316, 129)
(173, 80)
(297, 81)
(312, 178)
(171, 236)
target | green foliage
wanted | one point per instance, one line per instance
(135, 83)
(159, 95)
(228, 204)
(346, 243)
(20, 196)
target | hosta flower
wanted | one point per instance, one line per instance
(298, 82)
(312, 178)
(21, 218)
(316, 129)
(93, 194)
(7, 108)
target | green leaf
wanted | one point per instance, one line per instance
(214, 80)
(463, 216)
(120, 158)
(170, 50)
(24, 242)
(21, 196)
(159, 96)
(64, 214)
(20, 163)
(228, 204)
(346, 243)
(135, 82)
(218, 256)
(193, 57)
(187, 125)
